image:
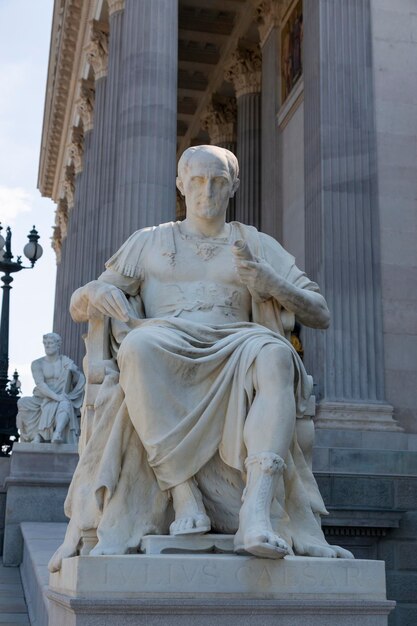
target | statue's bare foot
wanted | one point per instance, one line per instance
(260, 542)
(255, 534)
(190, 514)
(312, 546)
(57, 438)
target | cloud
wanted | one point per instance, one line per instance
(13, 202)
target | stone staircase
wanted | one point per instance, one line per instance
(13, 609)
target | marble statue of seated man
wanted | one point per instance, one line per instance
(195, 429)
(51, 413)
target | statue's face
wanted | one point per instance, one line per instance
(51, 346)
(207, 186)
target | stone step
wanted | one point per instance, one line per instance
(13, 609)
(364, 461)
(40, 540)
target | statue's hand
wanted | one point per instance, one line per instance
(109, 300)
(258, 276)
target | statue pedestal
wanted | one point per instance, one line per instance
(169, 589)
(40, 474)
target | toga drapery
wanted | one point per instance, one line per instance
(122, 480)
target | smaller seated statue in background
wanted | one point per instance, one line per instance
(51, 414)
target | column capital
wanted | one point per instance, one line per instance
(244, 69)
(68, 185)
(115, 5)
(97, 50)
(76, 148)
(268, 15)
(61, 218)
(56, 243)
(219, 120)
(85, 105)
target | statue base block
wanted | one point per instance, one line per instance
(40, 474)
(217, 589)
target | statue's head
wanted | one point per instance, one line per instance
(52, 343)
(208, 176)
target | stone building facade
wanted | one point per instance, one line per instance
(318, 98)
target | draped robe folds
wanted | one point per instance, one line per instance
(190, 427)
(37, 413)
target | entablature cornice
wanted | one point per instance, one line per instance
(79, 42)
(65, 33)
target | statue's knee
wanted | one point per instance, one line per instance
(276, 358)
(24, 403)
(65, 406)
(138, 343)
(274, 365)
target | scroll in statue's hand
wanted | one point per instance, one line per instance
(109, 300)
(259, 277)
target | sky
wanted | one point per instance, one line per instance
(25, 29)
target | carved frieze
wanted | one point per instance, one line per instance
(66, 28)
(244, 69)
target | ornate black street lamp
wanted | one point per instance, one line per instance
(9, 390)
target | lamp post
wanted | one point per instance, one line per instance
(9, 390)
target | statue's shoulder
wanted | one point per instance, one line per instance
(38, 363)
(127, 260)
(264, 245)
(140, 237)
(67, 362)
(272, 245)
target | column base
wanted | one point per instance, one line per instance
(356, 416)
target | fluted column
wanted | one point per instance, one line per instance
(68, 274)
(219, 120)
(109, 214)
(145, 193)
(59, 245)
(342, 232)
(244, 71)
(97, 57)
(71, 273)
(267, 16)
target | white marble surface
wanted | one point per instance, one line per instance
(169, 544)
(50, 414)
(205, 367)
(134, 575)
